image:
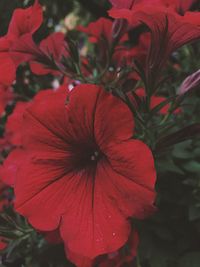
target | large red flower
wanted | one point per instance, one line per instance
(80, 170)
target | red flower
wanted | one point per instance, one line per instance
(81, 171)
(169, 32)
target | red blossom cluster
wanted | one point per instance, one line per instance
(76, 164)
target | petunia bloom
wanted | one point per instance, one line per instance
(80, 170)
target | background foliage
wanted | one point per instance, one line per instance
(171, 238)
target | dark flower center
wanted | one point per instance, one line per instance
(85, 155)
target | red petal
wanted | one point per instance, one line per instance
(10, 166)
(79, 260)
(41, 197)
(99, 113)
(7, 69)
(185, 5)
(95, 224)
(134, 160)
(53, 47)
(24, 49)
(192, 18)
(26, 20)
(122, 3)
(45, 122)
(98, 29)
(14, 124)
